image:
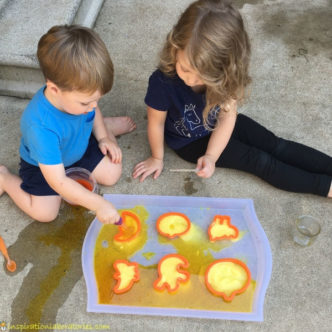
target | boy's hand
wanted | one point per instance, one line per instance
(107, 214)
(147, 167)
(111, 148)
(205, 166)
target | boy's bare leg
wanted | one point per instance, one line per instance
(107, 173)
(119, 125)
(41, 208)
(330, 192)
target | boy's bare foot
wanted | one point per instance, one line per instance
(120, 125)
(3, 172)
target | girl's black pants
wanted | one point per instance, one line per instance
(282, 163)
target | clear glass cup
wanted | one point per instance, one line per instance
(83, 177)
(306, 230)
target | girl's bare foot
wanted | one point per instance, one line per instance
(3, 172)
(120, 125)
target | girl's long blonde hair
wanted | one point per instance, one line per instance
(212, 34)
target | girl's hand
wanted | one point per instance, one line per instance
(111, 148)
(147, 167)
(205, 166)
(107, 214)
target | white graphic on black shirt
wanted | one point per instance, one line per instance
(191, 117)
(181, 128)
(191, 120)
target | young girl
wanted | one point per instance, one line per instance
(192, 101)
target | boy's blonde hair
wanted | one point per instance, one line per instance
(75, 58)
(212, 34)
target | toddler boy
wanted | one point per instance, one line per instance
(62, 127)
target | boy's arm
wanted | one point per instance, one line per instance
(106, 139)
(218, 141)
(154, 164)
(74, 192)
(99, 129)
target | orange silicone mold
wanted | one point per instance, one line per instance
(130, 227)
(227, 277)
(173, 224)
(126, 274)
(221, 229)
(170, 273)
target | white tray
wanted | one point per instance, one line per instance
(253, 247)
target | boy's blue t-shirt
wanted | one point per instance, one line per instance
(184, 121)
(50, 136)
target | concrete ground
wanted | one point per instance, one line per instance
(291, 94)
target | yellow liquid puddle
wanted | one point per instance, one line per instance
(77, 221)
(148, 255)
(194, 245)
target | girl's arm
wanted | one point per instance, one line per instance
(218, 141)
(154, 164)
(107, 141)
(77, 194)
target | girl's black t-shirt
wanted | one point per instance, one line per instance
(184, 123)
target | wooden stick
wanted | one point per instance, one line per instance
(183, 170)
